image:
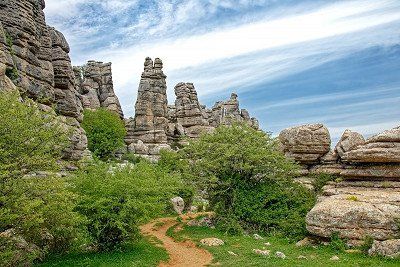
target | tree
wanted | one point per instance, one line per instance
(248, 180)
(105, 132)
(38, 207)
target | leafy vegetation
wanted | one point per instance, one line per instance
(38, 207)
(105, 132)
(247, 180)
(116, 199)
(321, 179)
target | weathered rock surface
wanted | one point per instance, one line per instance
(212, 242)
(356, 210)
(305, 144)
(178, 204)
(157, 125)
(150, 124)
(389, 248)
(349, 141)
(95, 84)
(36, 59)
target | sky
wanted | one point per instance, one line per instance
(291, 62)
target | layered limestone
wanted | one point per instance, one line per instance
(228, 112)
(95, 85)
(367, 202)
(157, 125)
(306, 144)
(35, 57)
(147, 132)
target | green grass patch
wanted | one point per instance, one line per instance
(142, 253)
(243, 246)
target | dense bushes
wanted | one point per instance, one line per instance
(248, 180)
(105, 132)
(115, 200)
(37, 207)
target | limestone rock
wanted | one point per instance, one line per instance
(389, 248)
(178, 204)
(280, 255)
(262, 252)
(95, 84)
(349, 140)
(356, 210)
(212, 242)
(381, 148)
(305, 144)
(66, 97)
(150, 123)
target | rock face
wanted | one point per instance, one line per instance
(367, 202)
(157, 125)
(95, 85)
(388, 248)
(306, 144)
(147, 131)
(178, 204)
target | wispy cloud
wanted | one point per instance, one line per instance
(224, 44)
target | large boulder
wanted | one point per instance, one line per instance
(349, 141)
(356, 210)
(306, 143)
(381, 148)
(178, 204)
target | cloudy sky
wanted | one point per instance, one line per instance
(291, 62)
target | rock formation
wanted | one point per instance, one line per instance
(367, 201)
(306, 144)
(157, 125)
(95, 85)
(147, 131)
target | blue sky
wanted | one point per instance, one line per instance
(291, 62)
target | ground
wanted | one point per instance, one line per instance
(180, 247)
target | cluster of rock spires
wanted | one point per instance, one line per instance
(157, 125)
(366, 203)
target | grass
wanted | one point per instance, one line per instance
(243, 246)
(142, 254)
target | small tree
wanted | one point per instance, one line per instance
(105, 132)
(38, 207)
(248, 180)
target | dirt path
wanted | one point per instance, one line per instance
(181, 254)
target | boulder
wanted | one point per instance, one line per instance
(212, 242)
(178, 204)
(388, 248)
(306, 144)
(349, 141)
(356, 210)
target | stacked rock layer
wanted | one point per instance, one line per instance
(367, 202)
(157, 125)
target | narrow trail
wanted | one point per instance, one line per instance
(181, 254)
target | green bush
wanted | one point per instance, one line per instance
(320, 180)
(248, 181)
(105, 132)
(37, 207)
(337, 244)
(115, 200)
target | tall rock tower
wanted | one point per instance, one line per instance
(147, 131)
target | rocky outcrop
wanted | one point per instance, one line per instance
(187, 112)
(357, 210)
(367, 202)
(147, 131)
(306, 144)
(228, 112)
(29, 48)
(157, 125)
(35, 58)
(95, 85)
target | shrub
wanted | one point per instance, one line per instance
(337, 244)
(248, 181)
(115, 200)
(38, 207)
(105, 132)
(320, 180)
